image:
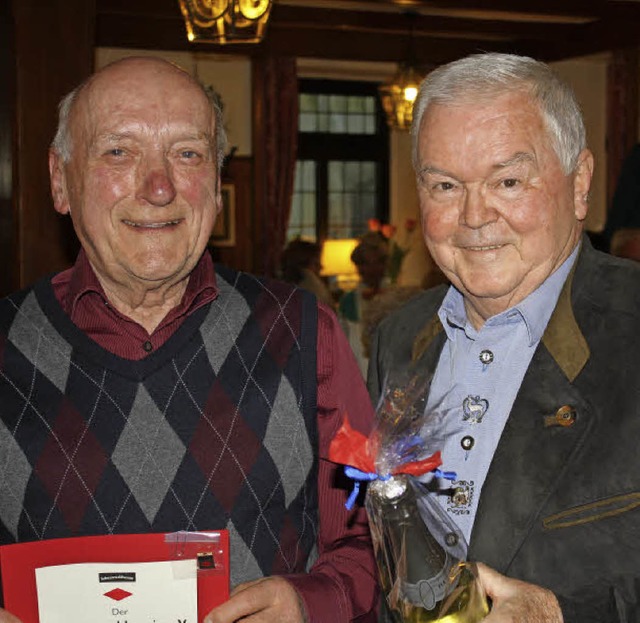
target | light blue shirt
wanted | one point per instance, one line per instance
(475, 384)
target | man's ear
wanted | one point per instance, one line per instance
(58, 180)
(582, 183)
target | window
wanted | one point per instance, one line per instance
(342, 172)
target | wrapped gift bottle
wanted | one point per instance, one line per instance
(422, 571)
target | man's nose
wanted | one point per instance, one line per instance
(476, 210)
(156, 185)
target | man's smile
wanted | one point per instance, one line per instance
(152, 224)
(491, 247)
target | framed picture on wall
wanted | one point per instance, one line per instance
(224, 231)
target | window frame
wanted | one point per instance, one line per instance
(322, 147)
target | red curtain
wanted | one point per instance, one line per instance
(275, 140)
(622, 112)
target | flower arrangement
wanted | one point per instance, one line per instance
(397, 251)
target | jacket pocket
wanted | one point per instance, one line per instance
(594, 511)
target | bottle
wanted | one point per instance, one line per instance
(423, 577)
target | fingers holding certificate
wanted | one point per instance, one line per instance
(7, 617)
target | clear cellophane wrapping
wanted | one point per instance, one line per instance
(420, 552)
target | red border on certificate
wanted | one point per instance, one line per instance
(19, 561)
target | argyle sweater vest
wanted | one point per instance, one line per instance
(216, 429)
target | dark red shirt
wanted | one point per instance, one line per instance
(342, 580)
(84, 300)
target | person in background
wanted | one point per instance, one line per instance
(533, 351)
(370, 258)
(145, 390)
(301, 265)
(384, 303)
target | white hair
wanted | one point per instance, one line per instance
(493, 74)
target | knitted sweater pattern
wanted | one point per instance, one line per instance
(216, 429)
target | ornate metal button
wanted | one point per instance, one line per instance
(460, 496)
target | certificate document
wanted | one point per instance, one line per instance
(148, 592)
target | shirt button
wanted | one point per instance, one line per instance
(486, 356)
(467, 442)
(148, 346)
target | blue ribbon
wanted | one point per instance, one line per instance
(359, 476)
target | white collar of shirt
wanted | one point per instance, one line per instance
(535, 309)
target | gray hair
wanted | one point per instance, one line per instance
(493, 74)
(62, 143)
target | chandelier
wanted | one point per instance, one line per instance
(398, 96)
(226, 21)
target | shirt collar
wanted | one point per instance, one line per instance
(535, 310)
(83, 280)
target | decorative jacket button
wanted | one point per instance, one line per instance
(486, 356)
(148, 346)
(565, 416)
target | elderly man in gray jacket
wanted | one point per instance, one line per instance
(534, 350)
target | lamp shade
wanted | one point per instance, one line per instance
(226, 21)
(336, 257)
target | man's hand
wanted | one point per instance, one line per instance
(268, 600)
(7, 617)
(517, 602)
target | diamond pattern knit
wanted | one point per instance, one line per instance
(214, 430)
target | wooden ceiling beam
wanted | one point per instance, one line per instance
(354, 34)
(588, 9)
(588, 39)
(305, 17)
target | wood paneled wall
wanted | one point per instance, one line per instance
(239, 172)
(51, 52)
(623, 106)
(8, 260)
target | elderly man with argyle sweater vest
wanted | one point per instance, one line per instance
(145, 390)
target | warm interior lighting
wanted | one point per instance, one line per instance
(336, 257)
(336, 262)
(399, 95)
(226, 21)
(410, 94)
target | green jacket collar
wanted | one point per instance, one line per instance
(562, 337)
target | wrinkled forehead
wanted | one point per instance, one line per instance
(514, 100)
(511, 113)
(152, 96)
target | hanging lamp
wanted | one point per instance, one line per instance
(398, 95)
(226, 21)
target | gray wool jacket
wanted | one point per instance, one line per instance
(561, 503)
